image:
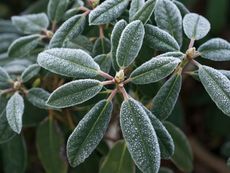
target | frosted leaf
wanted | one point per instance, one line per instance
(68, 62)
(115, 37)
(69, 30)
(140, 136)
(217, 86)
(166, 98)
(24, 45)
(73, 93)
(30, 72)
(104, 61)
(154, 70)
(178, 55)
(107, 11)
(134, 7)
(14, 112)
(195, 26)
(56, 9)
(168, 18)
(215, 49)
(101, 46)
(4, 78)
(6, 39)
(130, 43)
(32, 23)
(159, 39)
(89, 132)
(226, 73)
(181, 7)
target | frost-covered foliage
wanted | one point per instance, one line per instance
(90, 56)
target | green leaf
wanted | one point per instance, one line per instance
(38, 97)
(140, 136)
(4, 78)
(166, 98)
(101, 46)
(6, 39)
(181, 7)
(107, 11)
(24, 45)
(215, 49)
(226, 73)
(182, 157)
(30, 72)
(115, 38)
(56, 9)
(159, 39)
(164, 138)
(104, 61)
(178, 55)
(32, 23)
(195, 26)
(69, 30)
(68, 62)
(14, 112)
(74, 93)
(134, 7)
(14, 155)
(50, 142)
(129, 46)
(165, 170)
(145, 12)
(89, 132)
(118, 160)
(168, 18)
(217, 86)
(154, 70)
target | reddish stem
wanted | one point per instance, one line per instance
(105, 75)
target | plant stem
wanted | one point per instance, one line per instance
(111, 96)
(123, 92)
(105, 75)
(191, 44)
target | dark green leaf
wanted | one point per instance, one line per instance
(38, 97)
(101, 46)
(30, 72)
(134, 7)
(181, 7)
(104, 61)
(4, 78)
(56, 9)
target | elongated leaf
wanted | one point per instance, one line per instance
(159, 39)
(101, 46)
(50, 141)
(30, 72)
(68, 62)
(56, 9)
(135, 124)
(4, 78)
(168, 18)
(14, 155)
(145, 12)
(89, 132)
(164, 138)
(74, 93)
(195, 26)
(6, 39)
(115, 37)
(166, 98)
(32, 23)
(129, 46)
(24, 45)
(14, 112)
(217, 86)
(226, 73)
(118, 160)
(154, 70)
(69, 30)
(104, 61)
(182, 157)
(178, 55)
(134, 7)
(215, 49)
(107, 11)
(181, 7)
(38, 97)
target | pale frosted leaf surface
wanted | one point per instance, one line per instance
(68, 62)
(226, 73)
(56, 9)
(166, 98)
(178, 55)
(4, 78)
(168, 18)
(140, 136)
(130, 43)
(183, 156)
(134, 7)
(107, 11)
(101, 46)
(74, 93)
(38, 97)
(69, 30)
(217, 86)
(115, 37)
(30, 72)
(24, 45)
(164, 138)
(32, 23)
(159, 39)
(215, 49)
(89, 132)
(104, 61)
(195, 26)
(183, 9)
(118, 160)
(14, 112)
(154, 70)
(145, 12)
